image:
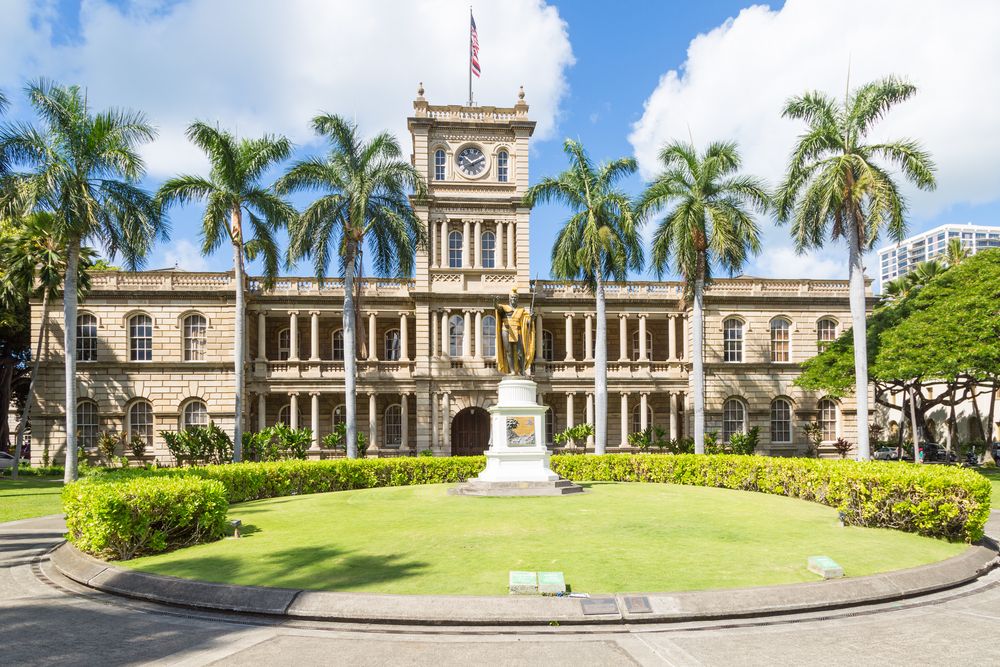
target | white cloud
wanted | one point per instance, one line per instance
(181, 254)
(737, 77)
(784, 262)
(262, 66)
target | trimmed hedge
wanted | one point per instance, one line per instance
(130, 512)
(127, 518)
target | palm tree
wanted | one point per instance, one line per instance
(363, 199)
(955, 252)
(35, 261)
(835, 185)
(599, 242)
(709, 224)
(84, 169)
(231, 189)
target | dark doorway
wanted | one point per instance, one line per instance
(470, 432)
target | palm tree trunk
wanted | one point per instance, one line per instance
(238, 348)
(601, 373)
(859, 322)
(26, 413)
(698, 362)
(69, 351)
(350, 355)
(913, 424)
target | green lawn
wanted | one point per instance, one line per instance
(614, 538)
(25, 497)
(994, 476)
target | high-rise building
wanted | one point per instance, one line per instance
(899, 259)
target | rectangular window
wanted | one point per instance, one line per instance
(141, 338)
(733, 341)
(455, 250)
(439, 164)
(502, 166)
(86, 338)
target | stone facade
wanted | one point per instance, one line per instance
(426, 364)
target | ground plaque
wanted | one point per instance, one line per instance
(522, 583)
(637, 604)
(551, 583)
(825, 567)
(598, 606)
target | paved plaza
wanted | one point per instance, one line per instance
(50, 620)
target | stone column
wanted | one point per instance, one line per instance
(372, 424)
(539, 334)
(624, 417)
(313, 335)
(261, 412)
(622, 337)
(261, 336)
(511, 245)
(433, 243)
(445, 350)
(674, 399)
(293, 409)
(404, 415)
(501, 258)
(466, 334)
(672, 338)
(477, 244)
(447, 423)
(682, 348)
(569, 409)
(643, 411)
(404, 337)
(588, 337)
(444, 244)
(293, 335)
(435, 423)
(479, 334)
(590, 416)
(569, 336)
(435, 337)
(465, 244)
(643, 351)
(314, 407)
(372, 349)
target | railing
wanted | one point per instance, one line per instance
(675, 290)
(476, 114)
(371, 286)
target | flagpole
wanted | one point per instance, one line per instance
(469, 63)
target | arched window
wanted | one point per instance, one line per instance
(140, 422)
(781, 420)
(635, 346)
(489, 247)
(439, 165)
(732, 340)
(140, 337)
(637, 418)
(781, 337)
(827, 409)
(195, 415)
(393, 345)
(455, 250)
(733, 418)
(285, 416)
(87, 424)
(548, 346)
(456, 330)
(338, 345)
(393, 426)
(489, 336)
(195, 337)
(284, 344)
(86, 337)
(826, 333)
(339, 415)
(502, 166)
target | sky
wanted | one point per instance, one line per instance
(623, 78)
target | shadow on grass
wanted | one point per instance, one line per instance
(322, 568)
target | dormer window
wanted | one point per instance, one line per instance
(502, 166)
(439, 165)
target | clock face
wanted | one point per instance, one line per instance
(471, 161)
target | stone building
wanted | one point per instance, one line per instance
(155, 348)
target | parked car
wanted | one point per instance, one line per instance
(935, 453)
(6, 461)
(886, 454)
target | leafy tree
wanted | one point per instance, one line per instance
(233, 188)
(710, 224)
(35, 262)
(363, 189)
(599, 242)
(836, 186)
(955, 252)
(84, 169)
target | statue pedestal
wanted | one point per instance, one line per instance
(517, 462)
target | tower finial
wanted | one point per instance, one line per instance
(520, 94)
(420, 89)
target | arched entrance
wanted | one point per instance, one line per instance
(470, 432)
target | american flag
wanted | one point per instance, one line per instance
(474, 48)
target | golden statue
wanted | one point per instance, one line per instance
(515, 336)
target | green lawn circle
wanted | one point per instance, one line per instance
(613, 538)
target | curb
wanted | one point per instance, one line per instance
(453, 610)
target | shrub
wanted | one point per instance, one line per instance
(108, 442)
(653, 436)
(138, 446)
(843, 447)
(744, 443)
(202, 444)
(143, 515)
(426, 452)
(277, 443)
(574, 436)
(337, 439)
(936, 501)
(814, 434)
